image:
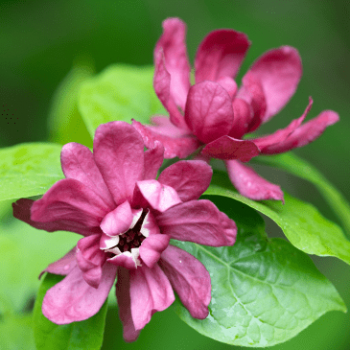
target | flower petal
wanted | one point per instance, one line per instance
(153, 160)
(279, 72)
(250, 184)
(90, 259)
(22, 211)
(72, 201)
(160, 197)
(190, 178)
(152, 247)
(220, 54)
(173, 45)
(174, 146)
(229, 85)
(122, 289)
(150, 291)
(162, 85)
(117, 221)
(128, 260)
(118, 152)
(62, 266)
(243, 115)
(78, 163)
(305, 134)
(226, 147)
(198, 221)
(73, 300)
(209, 112)
(282, 134)
(189, 278)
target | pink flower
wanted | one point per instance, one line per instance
(214, 115)
(127, 219)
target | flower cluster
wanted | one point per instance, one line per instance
(214, 115)
(127, 219)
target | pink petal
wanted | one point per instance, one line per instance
(189, 278)
(126, 260)
(150, 291)
(198, 221)
(118, 152)
(305, 134)
(22, 211)
(253, 93)
(220, 54)
(209, 111)
(190, 178)
(62, 266)
(118, 220)
(173, 45)
(279, 71)
(162, 86)
(250, 184)
(90, 259)
(152, 247)
(174, 146)
(227, 147)
(282, 134)
(73, 300)
(78, 163)
(72, 201)
(229, 85)
(153, 160)
(160, 197)
(149, 225)
(122, 289)
(243, 115)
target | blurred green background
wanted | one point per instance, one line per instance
(40, 41)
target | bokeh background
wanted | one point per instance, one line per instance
(40, 42)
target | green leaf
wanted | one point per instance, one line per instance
(264, 291)
(121, 92)
(302, 224)
(86, 334)
(301, 168)
(65, 122)
(29, 169)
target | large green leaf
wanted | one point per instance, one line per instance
(301, 168)
(121, 92)
(82, 335)
(303, 225)
(29, 169)
(264, 291)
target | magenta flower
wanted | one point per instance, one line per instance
(127, 219)
(214, 115)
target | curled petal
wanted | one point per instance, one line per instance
(189, 278)
(279, 72)
(73, 300)
(198, 221)
(227, 147)
(122, 289)
(209, 112)
(119, 154)
(22, 211)
(78, 163)
(174, 146)
(150, 291)
(117, 221)
(149, 225)
(62, 266)
(152, 247)
(128, 260)
(160, 197)
(305, 134)
(153, 160)
(190, 178)
(72, 201)
(250, 184)
(280, 135)
(220, 54)
(172, 42)
(90, 259)
(229, 85)
(243, 115)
